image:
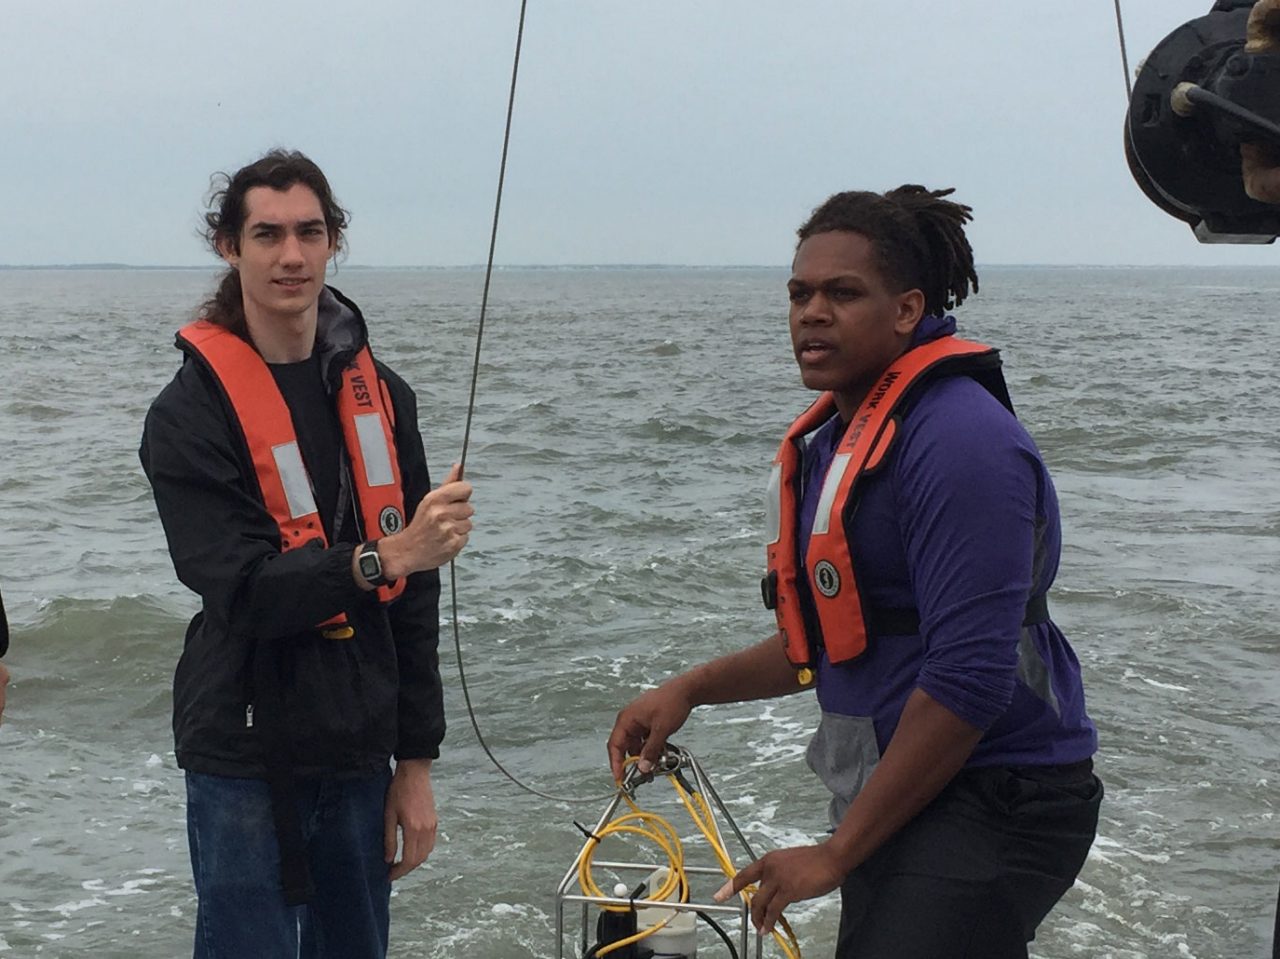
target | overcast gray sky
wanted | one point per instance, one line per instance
(698, 131)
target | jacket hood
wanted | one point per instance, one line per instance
(340, 333)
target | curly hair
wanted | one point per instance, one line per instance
(278, 169)
(918, 238)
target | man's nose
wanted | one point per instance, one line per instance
(816, 309)
(291, 252)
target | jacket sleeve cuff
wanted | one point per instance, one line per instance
(421, 750)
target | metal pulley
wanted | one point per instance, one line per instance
(1202, 92)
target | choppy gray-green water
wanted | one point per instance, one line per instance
(625, 423)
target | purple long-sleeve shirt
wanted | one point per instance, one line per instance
(963, 526)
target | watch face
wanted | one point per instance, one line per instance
(370, 565)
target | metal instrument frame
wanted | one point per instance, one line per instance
(674, 761)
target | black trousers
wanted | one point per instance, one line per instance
(972, 876)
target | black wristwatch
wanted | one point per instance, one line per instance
(370, 564)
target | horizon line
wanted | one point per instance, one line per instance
(479, 267)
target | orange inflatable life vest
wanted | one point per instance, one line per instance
(816, 600)
(367, 419)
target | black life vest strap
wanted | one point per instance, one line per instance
(295, 875)
(1275, 938)
(906, 622)
(4, 629)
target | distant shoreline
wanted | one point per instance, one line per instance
(212, 268)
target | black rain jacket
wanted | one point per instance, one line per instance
(345, 706)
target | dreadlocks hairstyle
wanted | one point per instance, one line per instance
(918, 238)
(279, 170)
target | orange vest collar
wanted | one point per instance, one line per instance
(364, 410)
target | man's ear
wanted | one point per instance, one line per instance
(228, 249)
(910, 310)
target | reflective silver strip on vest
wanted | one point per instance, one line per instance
(773, 506)
(373, 450)
(293, 476)
(830, 486)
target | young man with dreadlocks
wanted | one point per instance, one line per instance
(290, 477)
(914, 535)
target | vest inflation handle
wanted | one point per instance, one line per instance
(769, 590)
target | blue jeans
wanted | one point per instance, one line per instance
(236, 861)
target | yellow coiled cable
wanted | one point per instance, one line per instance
(657, 830)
